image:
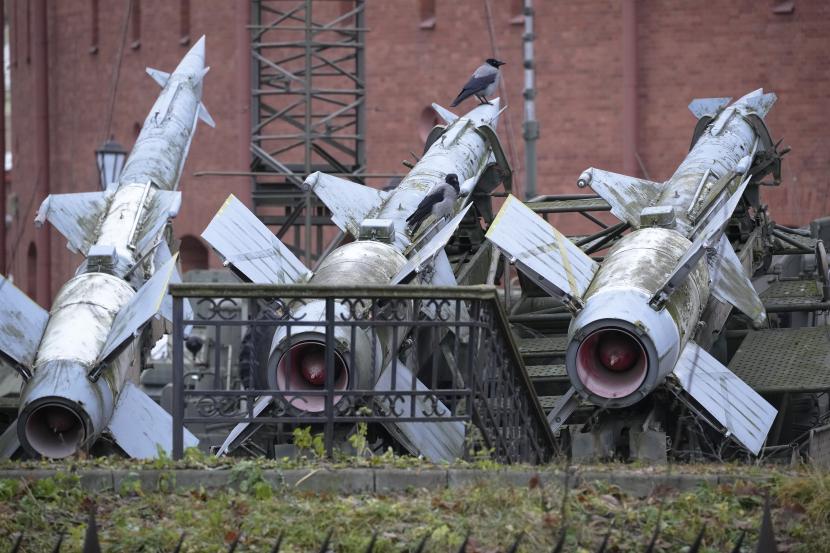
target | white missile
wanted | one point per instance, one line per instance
(80, 360)
(636, 313)
(383, 253)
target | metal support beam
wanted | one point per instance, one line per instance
(308, 107)
(531, 125)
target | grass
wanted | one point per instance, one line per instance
(134, 519)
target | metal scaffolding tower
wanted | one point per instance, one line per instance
(308, 110)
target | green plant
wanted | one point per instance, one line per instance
(305, 441)
(130, 485)
(358, 440)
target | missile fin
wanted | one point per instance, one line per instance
(436, 441)
(710, 227)
(76, 216)
(9, 442)
(163, 206)
(555, 263)
(740, 409)
(707, 237)
(244, 429)
(246, 244)
(701, 107)
(761, 103)
(204, 115)
(731, 285)
(349, 202)
(142, 307)
(442, 274)
(444, 113)
(426, 254)
(161, 257)
(161, 77)
(626, 195)
(141, 427)
(23, 324)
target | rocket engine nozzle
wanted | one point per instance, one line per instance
(303, 368)
(611, 363)
(54, 430)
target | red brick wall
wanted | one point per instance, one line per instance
(80, 88)
(685, 50)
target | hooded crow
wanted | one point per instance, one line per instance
(439, 202)
(483, 83)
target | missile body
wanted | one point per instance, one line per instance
(635, 314)
(383, 253)
(81, 358)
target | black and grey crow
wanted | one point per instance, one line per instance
(483, 83)
(438, 202)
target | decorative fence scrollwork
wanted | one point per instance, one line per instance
(338, 356)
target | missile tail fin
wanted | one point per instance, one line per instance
(555, 263)
(141, 427)
(9, 442)
(436, 441)
(731, 285)
(250, 248)
(701, 107)
(626, 195)
(244, 429)
(161, 77)
(425, 254)
(444, 113)
(349, 202)
(24, 323)
(740, 409)
(75, 216)
(142, 307)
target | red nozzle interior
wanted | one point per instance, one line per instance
(611, 363)
(303, 367)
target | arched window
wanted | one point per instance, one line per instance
(193, 253)
(31, 271)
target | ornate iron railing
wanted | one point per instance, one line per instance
(342, 356)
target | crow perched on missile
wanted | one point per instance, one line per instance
(438, 202)
(483, 83)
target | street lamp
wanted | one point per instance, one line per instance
(110, 157)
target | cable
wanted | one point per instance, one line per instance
(502, 86)
(117, 74)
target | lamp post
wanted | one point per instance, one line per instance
(110, 158)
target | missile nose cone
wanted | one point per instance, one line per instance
(313, 368)
(617, 351)
(194, 61)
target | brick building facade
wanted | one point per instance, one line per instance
(417, 52)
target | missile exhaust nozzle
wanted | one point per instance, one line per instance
(620, 349)
(611, 363)
(302, 367)
(53, 428)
